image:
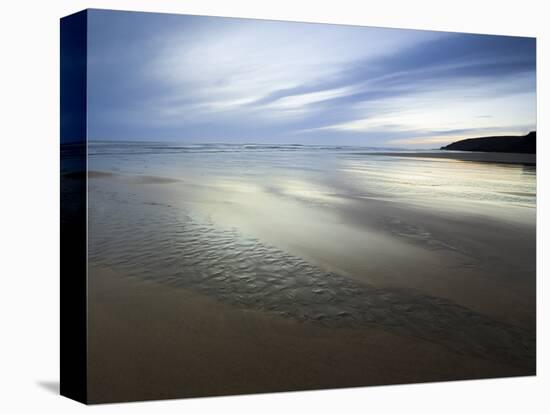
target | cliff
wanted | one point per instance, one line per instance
(526, 144)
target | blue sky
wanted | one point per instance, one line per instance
(210, 79)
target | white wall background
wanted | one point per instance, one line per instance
(29, 236)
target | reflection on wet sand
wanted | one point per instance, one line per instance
(243, 271)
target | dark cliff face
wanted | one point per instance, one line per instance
(519, 144)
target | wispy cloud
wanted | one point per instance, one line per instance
(195, 78)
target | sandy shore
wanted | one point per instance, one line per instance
(211, 281)
(500, 157)
(150, 341)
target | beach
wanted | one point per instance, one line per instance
(219, 270)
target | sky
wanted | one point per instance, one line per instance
(162, 77)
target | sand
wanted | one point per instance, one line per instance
(211, 279)
(149, 341)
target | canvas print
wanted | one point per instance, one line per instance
(254, 206)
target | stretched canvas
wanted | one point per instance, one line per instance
(253, 206)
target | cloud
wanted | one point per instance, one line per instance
(170, 77)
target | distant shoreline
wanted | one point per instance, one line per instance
(493, 157)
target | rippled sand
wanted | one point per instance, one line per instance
(313, 258)
(243, 271)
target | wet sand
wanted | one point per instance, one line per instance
(149, 341)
